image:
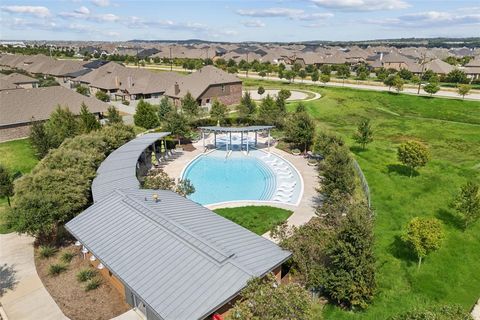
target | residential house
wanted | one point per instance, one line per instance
(20, 80)
(472, 69)
(19, 107)
(207, 84)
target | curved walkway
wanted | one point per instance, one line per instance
(25, 296)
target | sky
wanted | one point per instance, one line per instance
(240, 20)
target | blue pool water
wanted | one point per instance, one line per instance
(239, 177)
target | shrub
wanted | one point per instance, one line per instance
(435, 313)
(67, 257)
(93, 284)
(47, 252)
(86, 274)
(102, 96)
(126, 102)
(56, 268)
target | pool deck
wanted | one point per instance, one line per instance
(301, 213)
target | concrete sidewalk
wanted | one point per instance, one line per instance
(25, 297)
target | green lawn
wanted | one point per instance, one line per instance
(451, 130)
(258, 219)
(17, 156)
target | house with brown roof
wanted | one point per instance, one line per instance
(20, 80)
(19, 107)
(123, 83)
(205, 85)
(472, 69)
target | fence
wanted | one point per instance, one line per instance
(363, 180)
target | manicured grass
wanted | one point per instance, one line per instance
(17, 156)
(258, 219)
(451, 130)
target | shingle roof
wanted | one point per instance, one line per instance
(439, 66)
(7, 85)
(18, 78)
(199, 81)
(19, 106)
(183, 260)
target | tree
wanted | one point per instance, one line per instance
(39, 139)
(326, 69)
(189, 106)
(6, 183)
(284, 94)
(431, 88)
(467, 203)
(364, 134)
(102, 96)
(296, 67)
(164, 109)
(398, 83)
(146, 115)
(337, 171)
(423, 235)
(247, 106)
(324, 78)
(261, 90)
(61, 125)
(177, 124)
(268, 110)
(456, 76)
(350, 269)
(315, 75)
(290, 75)
(265, 299)
(157, 179)
(302, 74)
(82, 90)
(300, 128)
(262, 74)
(405, 74)
(413, 155)
(88, 121)
(343, 71)
(184, 188)
(464, 89)
(324, 143)
(218, 111)
(389, 81)
(113, 116)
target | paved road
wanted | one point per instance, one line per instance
(475, 95)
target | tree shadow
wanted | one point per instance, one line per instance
(357, 149)
(401, 170)
(8, 279)
(450, 219)
(400, 250)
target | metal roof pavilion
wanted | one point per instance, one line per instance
(118, 171)
(236, 129)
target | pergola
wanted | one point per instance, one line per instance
(242, 130)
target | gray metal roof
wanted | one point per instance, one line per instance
(119, 168)
(236, 129)
(183, 260)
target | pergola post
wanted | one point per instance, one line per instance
(247, 142)
(203, 140)
(231, 140)
(226, 144)
(268, 141)
(241, 140)
(215, 138)
(255, 138)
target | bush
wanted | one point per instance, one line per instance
(435, 313)
(56, 268)
(47, 252)
(126, 102)
(93, 284)
(86, 274)
(102, 96)
(67, 257)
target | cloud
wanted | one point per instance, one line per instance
(101, 3)
(253, 24)
(362, 5)
(22, 24)
(80, 13)
(108, 17)
(140, 23)
(85, 14)
(37, 11)
(293, 14)
(429, 19)
(82, 10)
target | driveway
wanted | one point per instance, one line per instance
(22, 294)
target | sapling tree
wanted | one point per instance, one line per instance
(413, 155)
(467, 203)
(364, 134)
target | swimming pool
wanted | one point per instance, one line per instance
(240, 177)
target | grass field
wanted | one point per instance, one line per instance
(451, 130)
(258, 219)
(17, 156)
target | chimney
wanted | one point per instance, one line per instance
(381, 56)
(177, 88)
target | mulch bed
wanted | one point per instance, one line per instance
(104, 302)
